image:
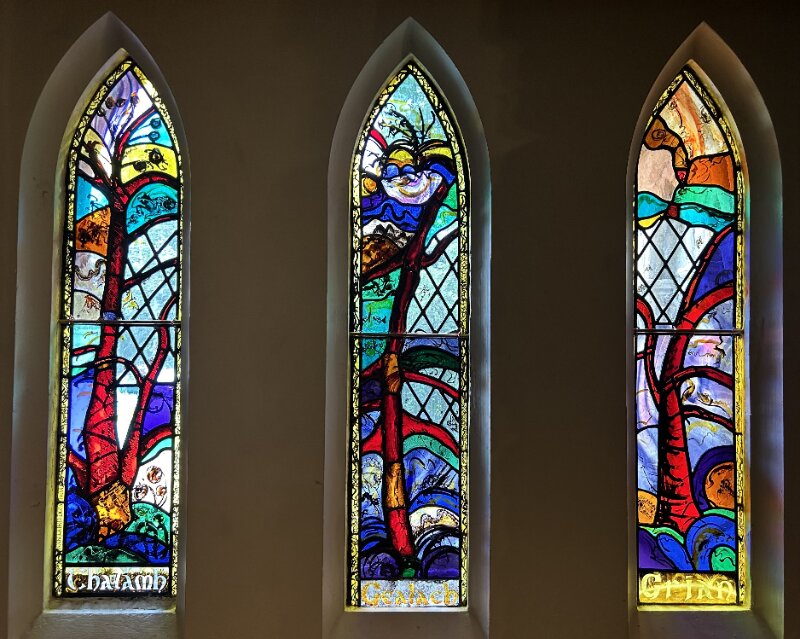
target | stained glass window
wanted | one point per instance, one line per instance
(409, 328)
(119, 411)
(690, 372)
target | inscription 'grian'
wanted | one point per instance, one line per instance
(689, 588)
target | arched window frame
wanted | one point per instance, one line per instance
(737, 95)
(408, 41)
(32, 607)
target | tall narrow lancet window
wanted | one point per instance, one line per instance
(116, 477)
(690, 351)
(409, 327)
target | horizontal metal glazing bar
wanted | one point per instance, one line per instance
(411, 335)
(673, 331)
(72, 322)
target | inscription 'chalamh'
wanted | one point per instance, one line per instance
(116, 580)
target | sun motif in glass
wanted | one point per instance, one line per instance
(690, 332)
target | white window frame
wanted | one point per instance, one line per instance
(33, 612)
(745, 108)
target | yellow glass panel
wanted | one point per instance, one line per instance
(148, 157)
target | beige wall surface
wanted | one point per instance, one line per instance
(559, 87)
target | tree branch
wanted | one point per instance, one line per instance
(431, 381)
(99, 180)
(705, 260)
(80, 469)
(398, 259)
(706, 415)
(143, 275)
(371, 405)
(141, 230)
(154, 436)
(131, 452)
(126, 136)
(708, 372)
(414, 426)
(692, 316)
(441, 247)
(393, 263)
(643, 309)
(411, 426)
(115, 359)
(143, 180)
(372, 370)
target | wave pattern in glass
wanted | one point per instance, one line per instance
(119, 410)
(690, 336)
(409, 346)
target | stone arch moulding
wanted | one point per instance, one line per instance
(408, 41)
(724, 73)
(32, 610)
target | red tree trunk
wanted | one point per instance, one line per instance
(100, 436)
(395, 506)
(110, 497)
(676, 504)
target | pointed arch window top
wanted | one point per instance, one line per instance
(689, 174)
(119, 412)
(410, 352)
(690, 352)
(408, 157)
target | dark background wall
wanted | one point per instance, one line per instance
(559, 87)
